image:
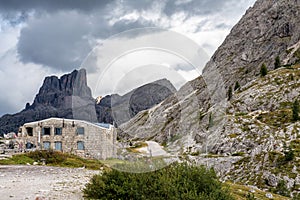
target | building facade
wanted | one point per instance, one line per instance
(82, 138)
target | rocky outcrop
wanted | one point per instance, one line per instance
(70, 97)
(122, 108)
(255, 124)
(57, 92)
(267, 30)
(65, 97)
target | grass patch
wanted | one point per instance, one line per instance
(277, 118)
(135, 148)
(20, 159)
(233, 135)
(241, 192)
(238, 154)
(240, 114)
(52, 158)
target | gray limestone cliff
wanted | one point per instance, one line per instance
(246, 137)
(123, 108)
(56, 98)
(70, 97)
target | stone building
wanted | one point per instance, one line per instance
(82, 138)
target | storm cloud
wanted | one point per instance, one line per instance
(59, 34)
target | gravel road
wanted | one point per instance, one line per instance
(42, 182)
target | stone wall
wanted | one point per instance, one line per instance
(99, 142)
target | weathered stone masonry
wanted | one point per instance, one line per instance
(85, 139)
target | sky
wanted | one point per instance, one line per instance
(39, 38)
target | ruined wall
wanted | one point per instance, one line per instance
(98, 142)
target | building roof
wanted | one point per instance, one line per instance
(100, 125)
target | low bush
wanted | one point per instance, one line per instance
(177, 181)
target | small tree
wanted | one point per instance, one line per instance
(289, 154)
(229, 93)
(250, 196)
(263, 70)
(295, 110)
(281, 189)
(210, 121)
(277, 63)
(236, 86)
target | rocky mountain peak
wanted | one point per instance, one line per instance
(251, 136)
(267, 30)
(54, 90)
(123, 108)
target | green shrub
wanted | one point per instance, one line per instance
(50, 157)
(236, 86)
(238, 154)
(295, 110)
(250, 196)
(289, 154)
(277, 63)
(281, 189)
(229, 93)
(263, 70)
(21, 159)
(177, 181)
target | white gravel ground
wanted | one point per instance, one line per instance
(42, 182)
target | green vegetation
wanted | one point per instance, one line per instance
(19, 159)
(169, 120)
(210, 121)
(136, 146)
(277, 63)
(278, 163)
(295, 110)
(52, 158)
(238, 154)
(281, 189)
(297, 55)
(289, 154)
(177, 181)
(236, 86)
(277, 118)
(250, 196)
(263, 70)
(233, 135)
(229, 93)
(241, 192)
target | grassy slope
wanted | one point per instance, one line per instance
(53, 159)
(240, 192)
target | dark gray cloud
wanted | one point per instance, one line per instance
(51, 5)
(59, 34)
(195, 7)
(59, 41)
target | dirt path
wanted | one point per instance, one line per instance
(153, 148)
(29, 182)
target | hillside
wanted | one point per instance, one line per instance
(246, 136)
(261, 130)
(120, 109)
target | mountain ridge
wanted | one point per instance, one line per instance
(202, 123)
(70, 97)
